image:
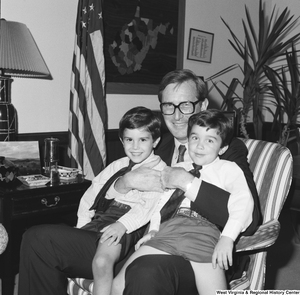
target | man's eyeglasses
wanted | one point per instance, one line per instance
(185, 107)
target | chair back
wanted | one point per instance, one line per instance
(272, 168)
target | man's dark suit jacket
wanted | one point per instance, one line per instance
(210, 196)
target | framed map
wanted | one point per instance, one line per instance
(141, 43)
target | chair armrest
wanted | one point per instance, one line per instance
(264, 237)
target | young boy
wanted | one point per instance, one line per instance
(139, 131)
(189, 234)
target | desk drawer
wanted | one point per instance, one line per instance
(46, 203)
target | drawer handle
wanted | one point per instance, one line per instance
(45, 202)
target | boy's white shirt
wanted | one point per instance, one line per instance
(240, 205)
(228, 176)
(138, 215)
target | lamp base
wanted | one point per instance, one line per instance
(7, 122)
(8, 113)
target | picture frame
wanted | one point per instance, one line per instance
(167, 54)
(200, 46)
(25, 155)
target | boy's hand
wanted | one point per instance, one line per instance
(145, 238)
(114, 232)
(223, 253)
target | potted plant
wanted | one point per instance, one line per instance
(284, 93)
(257, 50)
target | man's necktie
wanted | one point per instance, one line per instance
(101, 203)
(181, 151)
(171, 207)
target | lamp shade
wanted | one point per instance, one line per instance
(19, 54)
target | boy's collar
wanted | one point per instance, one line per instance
(150, 158)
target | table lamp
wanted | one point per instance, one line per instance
(19, 57)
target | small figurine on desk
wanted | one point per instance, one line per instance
(8, 171)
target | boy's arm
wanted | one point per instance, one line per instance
(223, 253)
(84, 213)
(240, 208)
(240, 203)
(140, 214)
(156, 216)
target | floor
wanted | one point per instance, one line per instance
(283, 259)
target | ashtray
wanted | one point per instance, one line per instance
(34, 180)
(66, 173)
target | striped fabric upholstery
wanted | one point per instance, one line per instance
(80, 286)
(271, 165)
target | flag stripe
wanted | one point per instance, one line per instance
(88, 110)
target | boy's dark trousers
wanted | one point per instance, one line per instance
(52, 253)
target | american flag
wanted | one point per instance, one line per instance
(88, 112)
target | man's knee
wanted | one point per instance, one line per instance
(33, 236)
(38, 237)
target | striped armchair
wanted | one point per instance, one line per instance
(271, 165)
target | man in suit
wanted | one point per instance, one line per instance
(51, 253)
(181, 94)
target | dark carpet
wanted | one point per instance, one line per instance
(283, 259)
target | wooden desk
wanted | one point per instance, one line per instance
(23, 207)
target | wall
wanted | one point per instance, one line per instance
(206, 17)
(43, 105)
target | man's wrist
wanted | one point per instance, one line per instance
(186, 181)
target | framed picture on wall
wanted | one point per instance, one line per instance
(200, 46)
(143, 40)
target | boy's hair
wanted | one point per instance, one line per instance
(140, 117)
(213, 119)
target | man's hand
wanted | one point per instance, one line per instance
(143, 178)
(176, 177)
(223, 253)
(114, 232)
